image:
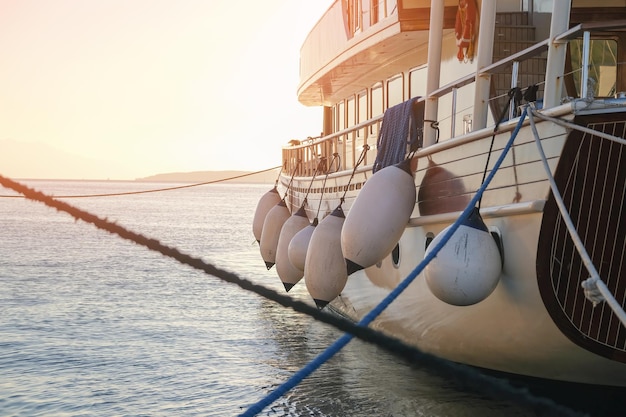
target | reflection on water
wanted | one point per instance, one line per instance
(92, 325)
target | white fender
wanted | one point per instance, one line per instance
(265, 204)
(378, 216)
(272, 225)
(299, 245)
(289, 274)
(324, 268)
(467, 269)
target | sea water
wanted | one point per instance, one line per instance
(93, 325)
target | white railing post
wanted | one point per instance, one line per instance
(435, 39)
(584, 74)
(453, 120)
(514, 76)
(484, 57)
(556, 54)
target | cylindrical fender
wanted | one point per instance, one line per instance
(300, 244)
(324, 268)
(265, 204)
(289, 274)
(272, 226)
(378, 216)
(467, 268)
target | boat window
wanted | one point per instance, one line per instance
(354, 15)
(395, 255)
(395, 91)
(417, 82)
(382, 9)
(329, 120)
(376, 106)
(537, 6)
(391, 6)
(366, 20)
(361, 109)
(429, 238)
(341, 116)
(362, 112)
(377, 100)
(378, 10)
(350, 112)
(602, 66)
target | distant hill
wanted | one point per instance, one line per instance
(39, 160)
(249, 177)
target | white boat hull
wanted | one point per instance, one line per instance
(513, 329)
(510, 331)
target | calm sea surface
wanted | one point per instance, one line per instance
(92, 325)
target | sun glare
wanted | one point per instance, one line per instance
(123, 90)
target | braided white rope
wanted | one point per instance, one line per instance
(591, 290)
(595, 289)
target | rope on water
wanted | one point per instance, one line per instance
(461, 374)
(400, 128)
(157, 190)
(594, 288)
(498, 387)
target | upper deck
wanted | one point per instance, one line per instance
(357, 42)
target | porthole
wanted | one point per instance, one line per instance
(429, 238)
(395, 255)
(497, 236)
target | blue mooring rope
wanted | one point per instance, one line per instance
(343, 340)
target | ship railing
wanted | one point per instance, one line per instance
(348, 143)
(450, 118)
(344, 146)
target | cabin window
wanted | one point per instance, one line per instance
(329, 120)
(354, 15)
(377, 7)
(602, 66)
(395, 255)
(361, 110)
(376, 106)
(350, 112)
(350, 119)
(382, 8)
(341, 116)
(417, 82)
(395, 91)
(537, 6)
(377, 100)
(429, 239)
(366, 20)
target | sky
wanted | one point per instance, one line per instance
(133, 88)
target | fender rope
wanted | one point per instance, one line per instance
(461, 374)
(340, 343)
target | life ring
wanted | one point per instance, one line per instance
(466, 29)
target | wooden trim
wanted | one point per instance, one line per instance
(516, 209)
(596, 14)
(591, 185)
(419, 18)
